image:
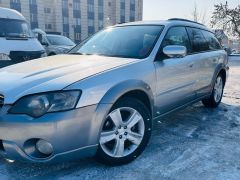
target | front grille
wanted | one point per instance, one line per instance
(21, 56)
(1, 100)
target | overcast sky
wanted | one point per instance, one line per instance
(165, 9)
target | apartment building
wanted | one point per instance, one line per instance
(76, 19)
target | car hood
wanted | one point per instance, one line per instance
(52, 73)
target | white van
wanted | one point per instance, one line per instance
(17, 42)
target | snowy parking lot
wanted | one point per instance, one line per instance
(194, 143)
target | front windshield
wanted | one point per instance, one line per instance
(11, 28)
(128, 42)
(60, 41)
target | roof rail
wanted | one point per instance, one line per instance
(186, 20)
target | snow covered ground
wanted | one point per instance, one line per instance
(195, 143)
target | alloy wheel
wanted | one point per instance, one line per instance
(122, 132)
(218, 89)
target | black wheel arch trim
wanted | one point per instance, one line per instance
(125, 87)
(219, 68)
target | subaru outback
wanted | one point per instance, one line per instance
(102, 98)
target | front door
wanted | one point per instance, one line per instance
(175, 76)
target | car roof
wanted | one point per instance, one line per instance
(6, 13)
(168, 23)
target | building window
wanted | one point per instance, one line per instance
(33, 18)
(77, 21)
(91, 20)
(66, 34)
(15, 4)
(77, 37)
(132, 10)
(100, 24)
(65, 17)
(48, 26)
(76, 5)
(100, 2)
(100, 10)
(65, 4)
(90, 8)
(76, 9)
(91, 30)
(122, 11)
(65, 20)
(47, 10)
(32, 1)
(33, 8)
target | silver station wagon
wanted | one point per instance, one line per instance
(102, 98)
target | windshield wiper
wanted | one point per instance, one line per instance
(78, 53)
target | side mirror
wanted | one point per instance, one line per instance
(174, 51)
(39, 37)
(228, 51)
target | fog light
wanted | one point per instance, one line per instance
(44, 147)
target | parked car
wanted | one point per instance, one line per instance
(54, 44)
(17, 43)
(102, 98)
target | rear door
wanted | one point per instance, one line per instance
(205, 59)
(174, 75)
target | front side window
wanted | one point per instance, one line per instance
(128, 41)
(199, 43)
(177, 36)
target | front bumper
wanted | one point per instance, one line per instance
(72, 134)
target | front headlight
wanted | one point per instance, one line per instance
(40, 104)
(4, 57)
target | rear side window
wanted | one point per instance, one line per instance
(199, 43)
(213, 43)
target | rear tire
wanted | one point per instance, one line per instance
(125, 133)
(217, 93)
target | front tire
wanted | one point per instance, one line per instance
(125, 133)
(217, 93)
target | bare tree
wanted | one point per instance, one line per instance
(227, 18)
(200, 17)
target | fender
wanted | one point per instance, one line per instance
(124, 87)
(114, 94)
